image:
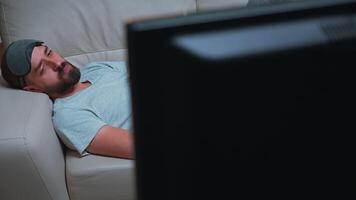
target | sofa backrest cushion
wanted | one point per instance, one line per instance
(204, 5)
(74, 27)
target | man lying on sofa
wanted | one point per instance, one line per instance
(92, 106)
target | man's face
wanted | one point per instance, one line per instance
(50, 73)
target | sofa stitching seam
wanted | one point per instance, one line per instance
(5, 23)
(12, 138)
(93, 52)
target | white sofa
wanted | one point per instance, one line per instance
(33, 162)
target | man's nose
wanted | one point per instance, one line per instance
(56, 65)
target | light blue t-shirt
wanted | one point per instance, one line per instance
(107, 101)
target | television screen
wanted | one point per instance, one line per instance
(254, 102)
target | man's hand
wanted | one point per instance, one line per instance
(110, 141)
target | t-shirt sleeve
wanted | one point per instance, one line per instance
(77, 128)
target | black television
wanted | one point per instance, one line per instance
(246, 103)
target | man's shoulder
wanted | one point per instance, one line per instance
(61, 114)
(93, 71)
(113, 65)
(64, 115)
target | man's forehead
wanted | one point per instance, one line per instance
(41, 46)
(36, 54)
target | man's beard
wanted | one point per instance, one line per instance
(68, 80)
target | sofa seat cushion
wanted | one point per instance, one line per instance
(99, 177)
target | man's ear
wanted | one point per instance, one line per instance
(32, 88)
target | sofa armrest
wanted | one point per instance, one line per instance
(32, 162)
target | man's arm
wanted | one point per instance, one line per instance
(110, 141)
